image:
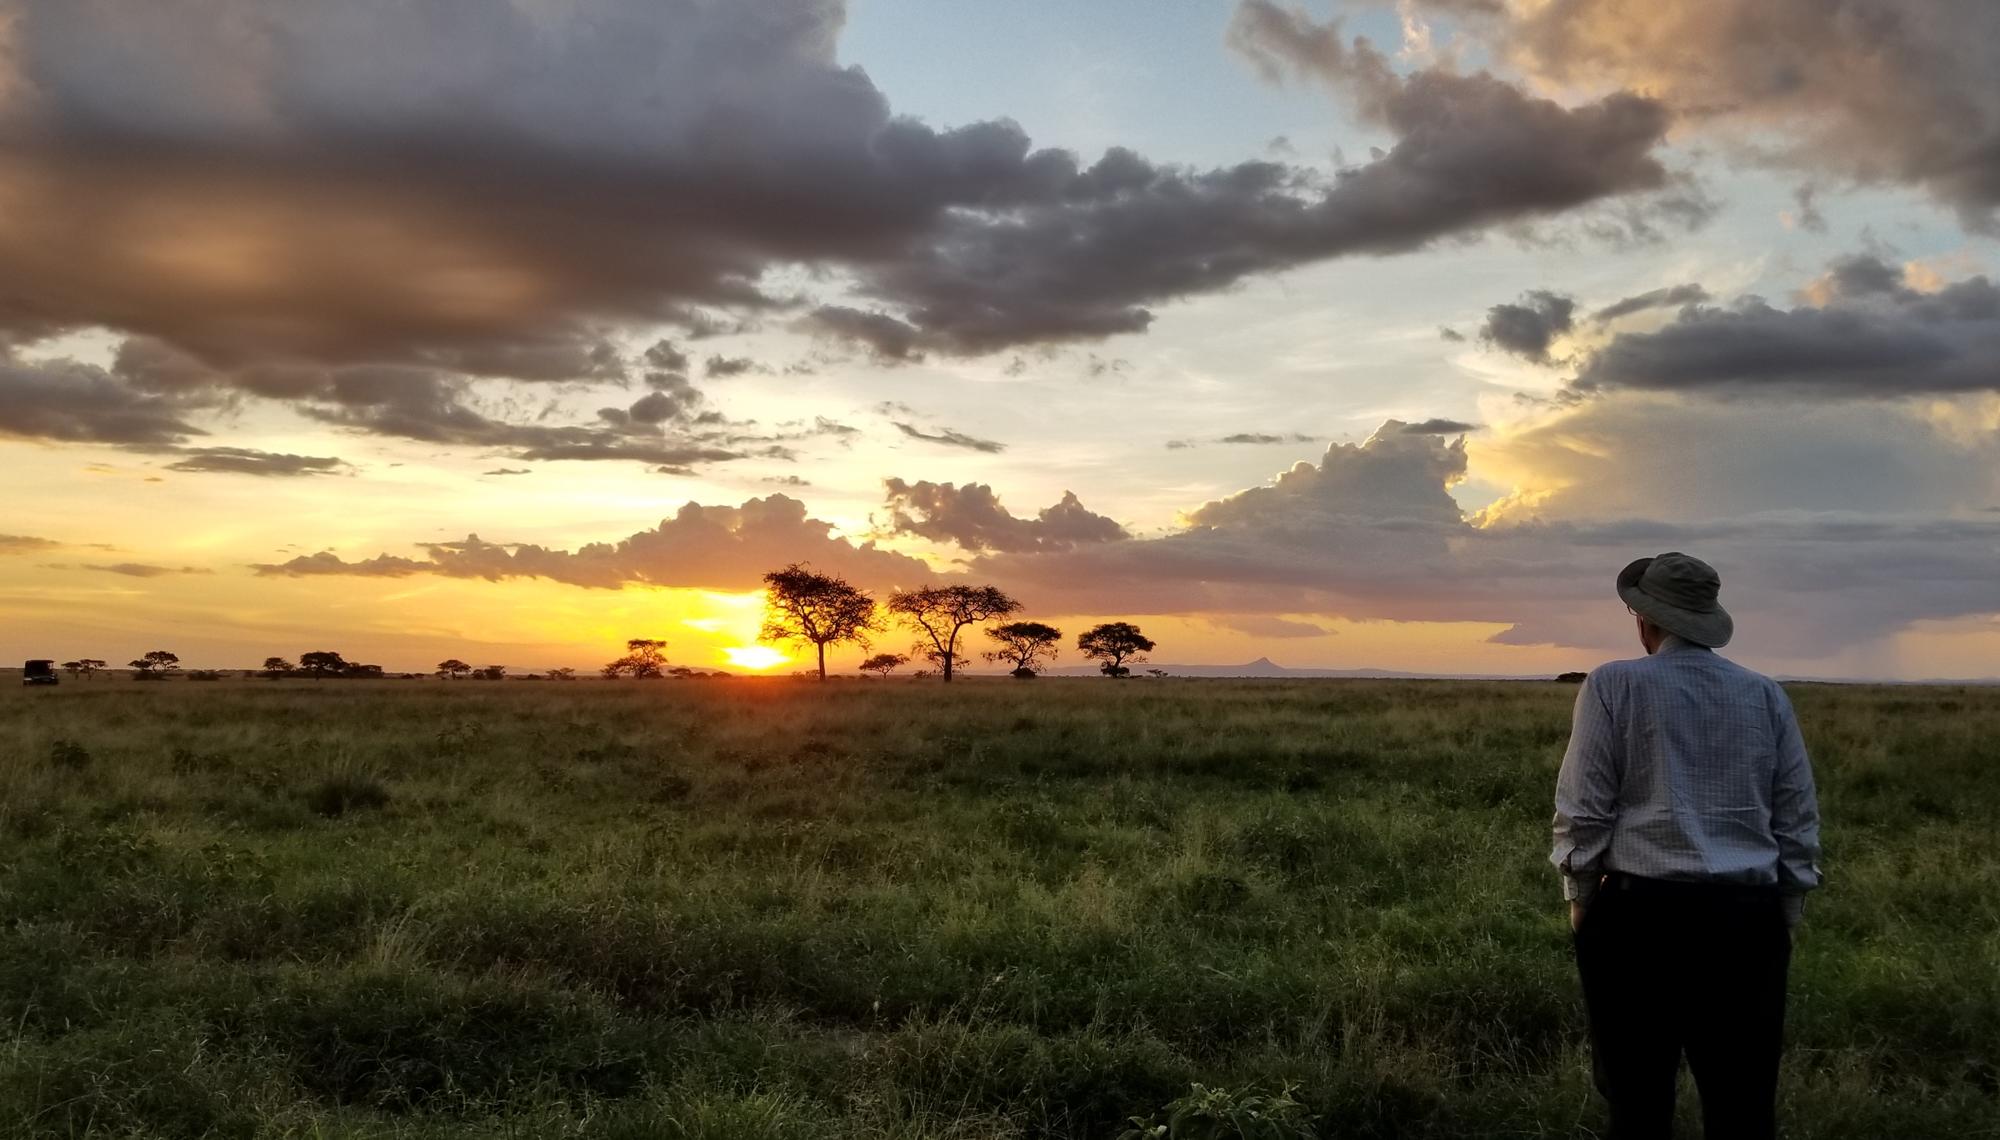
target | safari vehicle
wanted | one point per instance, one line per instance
(39, 673)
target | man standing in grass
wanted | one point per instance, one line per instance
(1687, 833)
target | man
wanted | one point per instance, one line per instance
(1687, 833)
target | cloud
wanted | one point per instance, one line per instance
(1667, 298)
(1251, 438)
(144, 569)
(258, 192)
(1857, 332)
(950, 438)
(69, 402)
(1873, 92)
(1371, 533)
(1527, 328)
(719, 366)
(248, 461)
(1438, 427)
(1265, 625)
(506, 471)
(971, 516)
(25, 544)
(721, 548)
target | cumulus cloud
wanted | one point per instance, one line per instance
(1857, 331)
(972, 517)
(249, 461)
(1528, 327)
(722, 548)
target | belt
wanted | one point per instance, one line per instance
(1640, 885)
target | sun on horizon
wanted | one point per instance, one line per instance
(759, 657)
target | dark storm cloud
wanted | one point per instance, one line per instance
(1668, 298)
(249, 461)
(972, 517)
(1526, 328)
(1858, 331)
(80, 403)
(950, 438)
(723, 366)
(723, 548)
(891, 339)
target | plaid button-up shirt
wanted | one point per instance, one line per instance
(1685, 765)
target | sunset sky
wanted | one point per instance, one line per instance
(1367, 334)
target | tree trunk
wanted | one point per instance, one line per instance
(947, 666)
(822, 659)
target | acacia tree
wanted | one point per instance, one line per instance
(73, 668)
(89, 665)
(939, 613)
(810, 608)
(322, 663)
(1113, 644)
(1028, 644)
(277, 668)
(451, 668)
(645, 658)
(155, 666)
(563, 674)
(883, 664)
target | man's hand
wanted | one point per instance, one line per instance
(1576, 910)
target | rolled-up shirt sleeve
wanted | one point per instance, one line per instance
(1586, 794)
(1794, 812)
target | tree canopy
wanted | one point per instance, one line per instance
(645, 658)
(1113, 644)
(1028, 644)
(940, 613)
(808, 607)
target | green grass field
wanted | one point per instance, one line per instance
(999, 909)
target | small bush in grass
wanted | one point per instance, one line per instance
(69, 756)
(344, 792)
(1216, 1113)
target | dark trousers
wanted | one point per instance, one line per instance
(1681, 968)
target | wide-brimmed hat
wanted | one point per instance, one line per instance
(1677, 592)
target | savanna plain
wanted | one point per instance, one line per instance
(775, 908)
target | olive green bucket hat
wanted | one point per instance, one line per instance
(1678, 592)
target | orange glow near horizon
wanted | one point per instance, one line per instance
(758, 657)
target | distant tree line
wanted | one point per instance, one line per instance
(801, 607)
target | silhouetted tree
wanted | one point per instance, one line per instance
(491, 673)
(563, 674)
(883, 664)
(610, 672)
(645, 658)
(1114, 643)
(323, 663)
(89, 665)
(939, 613)
(1026, 643)
(815, 609)
(357, 671)
(277, 668)
(452, 668)
(155, 666)
(73, 667)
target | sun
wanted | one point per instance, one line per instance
(754, 656)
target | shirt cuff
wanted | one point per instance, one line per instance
(1795, 906)
(1580, 888)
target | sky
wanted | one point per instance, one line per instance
(1352, 335)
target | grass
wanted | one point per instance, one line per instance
(779, 909)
